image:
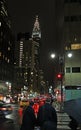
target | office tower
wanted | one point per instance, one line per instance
(72, 41)
(6, 45)
(72, 22)
(26, 65)
(36, 36)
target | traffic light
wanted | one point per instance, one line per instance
(57, 91)
(59, 76)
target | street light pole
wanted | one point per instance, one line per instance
(61, 72)
(61, 107)
(61, 62)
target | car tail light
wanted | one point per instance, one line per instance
(3, 109)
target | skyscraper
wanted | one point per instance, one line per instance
(72, 41)
(6, 45)
(36, 33)
(27, 59)
(72, 22)
(36, 36)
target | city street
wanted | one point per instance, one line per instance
(13, 121)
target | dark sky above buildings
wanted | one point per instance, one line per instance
(23, 13)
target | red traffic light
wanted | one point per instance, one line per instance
(59, 76)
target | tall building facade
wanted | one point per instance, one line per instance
(27, 67)
(6, 45)
(72, 41)
(69, 19)
(73, 65)
(36, 36)
(36, 33)
(72, 22)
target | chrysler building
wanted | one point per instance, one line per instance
(36, 33)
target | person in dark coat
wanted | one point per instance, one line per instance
(29, 119)
(47, 117)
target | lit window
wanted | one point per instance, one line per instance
(8, 48)
(21, 41)
(0, 53)
(8, 60)
(31, 73)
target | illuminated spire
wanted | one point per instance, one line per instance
(36, 24)
(36, 29)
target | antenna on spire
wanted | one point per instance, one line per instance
(36, 24)
(36, 29)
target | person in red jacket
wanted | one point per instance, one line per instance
(20, 112)
(36, 108)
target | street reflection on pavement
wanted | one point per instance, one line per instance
(11, 121)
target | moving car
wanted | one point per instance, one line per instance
(5, 108)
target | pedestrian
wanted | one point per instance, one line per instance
(47, 117)
(20, 112)
(29, 119)
(36, 108)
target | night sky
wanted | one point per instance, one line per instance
(23, 13)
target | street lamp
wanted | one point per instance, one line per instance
(69, 55)
(60, 75)
(53, 55)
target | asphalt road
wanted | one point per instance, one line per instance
(12, 121)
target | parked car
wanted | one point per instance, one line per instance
(5, 108)
(2, 115)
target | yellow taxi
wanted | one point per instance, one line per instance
(24, 103)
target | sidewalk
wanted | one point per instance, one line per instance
(63, 121)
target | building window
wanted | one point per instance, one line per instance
(80, 17)
(75, 18)
(66, 1)
(0, 54)
(8, 48)
(75, 69)
(74, 0)
(71, 1)
(67, 18)
(68, 70)
(80, 1)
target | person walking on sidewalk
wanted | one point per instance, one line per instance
(47, 117)
(29, 119)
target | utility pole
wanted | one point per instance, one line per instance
(61, 63)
